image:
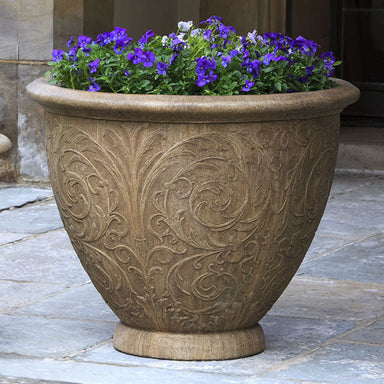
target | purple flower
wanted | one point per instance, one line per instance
(207, 34)
(253, 67)
(268, 57)
(147, 58)
(203, 78)
(244, 42)
(83, 41)
(328, 59)
(162, 68)
(305, 46)
(135, 57)
(303, 79)
(176, 44)
(145, 37)
(224, 31)
(234, 52)
(172, 59)
(248, 85)
(94, 87)
(72, 54)
(204, 63)
(213, 20)
(69, 42)
(119, 33)
(127, 73)
(93, 65)
(57, 55)
(309, 70)
(121, 44)
(226, 60)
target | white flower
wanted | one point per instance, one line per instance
(185, 26)
(181, 36)
(252, 36)
(195, 32)
(164, 40)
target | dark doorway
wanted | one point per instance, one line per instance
(358, 39)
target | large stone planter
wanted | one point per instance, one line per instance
(191, 214)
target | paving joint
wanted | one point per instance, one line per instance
(337, 249)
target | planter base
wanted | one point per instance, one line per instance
(178, 346)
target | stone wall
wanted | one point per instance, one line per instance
(29, 29)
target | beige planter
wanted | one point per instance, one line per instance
(191, 214)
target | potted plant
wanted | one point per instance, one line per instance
(191, 172)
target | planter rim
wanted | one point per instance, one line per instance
(192, 108)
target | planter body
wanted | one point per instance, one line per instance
(191, 214)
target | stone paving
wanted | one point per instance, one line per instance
(328, 326)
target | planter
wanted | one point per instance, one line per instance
(191, 214)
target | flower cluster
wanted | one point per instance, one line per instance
(209, 60)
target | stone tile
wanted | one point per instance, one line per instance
(13, 294)
(8, 29)
(21, 380)
(323, 245)
(285, 338)
(31, 135)
(10, 237)
(337, 363)
(77, 303)
(37, 336)
(343, 183)
(373, 190)
(48, 258)
(327, 299)
(362, 261)
(352, 218)
(372, 334)
(18, 196)
(36, 218)
(35, 29)
(89, 373)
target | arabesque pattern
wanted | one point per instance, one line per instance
(191, 227)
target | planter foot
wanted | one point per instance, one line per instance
(179, 346)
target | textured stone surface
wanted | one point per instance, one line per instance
(337, 363)
(37, 336)
(35, 29)
(88, 373)
(82, 302)
(19, 196)
(10, 237)
(372, 334)
(8, 116)
(31, 219)
(8, 29)
(15, 380)
(31, 135)
(313, 297)
(15, 293)
(340, 219)
(347, 263)
(48, 258)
